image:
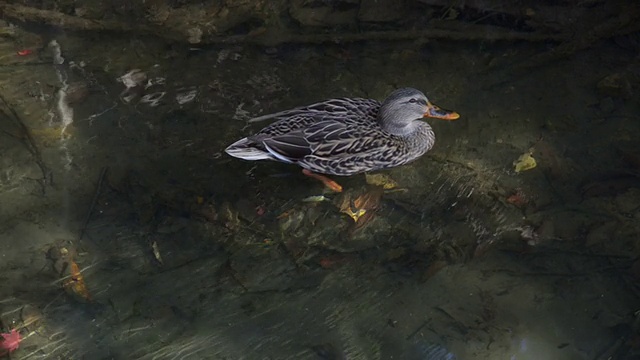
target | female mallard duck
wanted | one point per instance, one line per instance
(346, 136)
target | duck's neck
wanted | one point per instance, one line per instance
(392, 126)
(395, 129)
(422, 138)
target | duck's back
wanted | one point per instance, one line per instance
(351, 111)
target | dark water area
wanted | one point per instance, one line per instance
(126, 231)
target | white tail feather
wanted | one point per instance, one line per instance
(276, 155)
(242, 149)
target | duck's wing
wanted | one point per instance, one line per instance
(339, 110)
(325, 139)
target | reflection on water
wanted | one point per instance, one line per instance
(169, 248)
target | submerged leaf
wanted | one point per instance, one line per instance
(315, 199)
(75, 283)
(383, 180)
(525, 162)
(361, 209)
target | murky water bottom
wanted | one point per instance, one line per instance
(182, 252)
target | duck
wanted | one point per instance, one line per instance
(346, 136)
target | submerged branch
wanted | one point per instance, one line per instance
(628, 21)
(27, 139)
(466, 32)
(94, 201)
(61, 20)
(453, 30)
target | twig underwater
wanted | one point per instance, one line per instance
(103, 174)
(27, 140)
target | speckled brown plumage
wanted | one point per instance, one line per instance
(346, 136)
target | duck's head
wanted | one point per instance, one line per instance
(403, 107)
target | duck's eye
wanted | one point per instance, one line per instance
(413, 101)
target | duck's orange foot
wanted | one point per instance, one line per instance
(334, 186)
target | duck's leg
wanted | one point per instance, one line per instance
(334, 186)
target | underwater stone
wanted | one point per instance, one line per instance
(324, 13)
(380, 10)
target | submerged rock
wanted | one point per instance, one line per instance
(324, 12)
(380, 10)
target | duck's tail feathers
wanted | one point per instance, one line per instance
(245, 149)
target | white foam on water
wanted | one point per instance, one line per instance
(65, 112)
(57, 52)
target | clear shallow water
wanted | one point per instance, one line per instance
(190, 254)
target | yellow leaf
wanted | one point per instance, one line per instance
(383, 180)
(525, 162)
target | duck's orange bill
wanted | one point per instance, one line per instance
(438, 113)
